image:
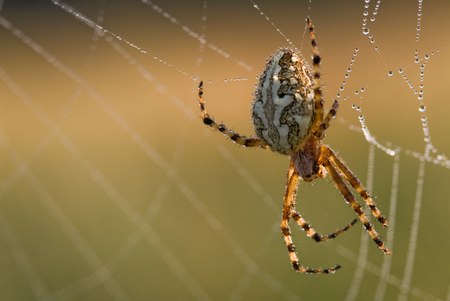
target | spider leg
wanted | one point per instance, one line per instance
(320, 124)
(353, 180)
(289, 203)
(319, 132)
(350, 198)
(318, 96)
(209, 121)
(312, 233)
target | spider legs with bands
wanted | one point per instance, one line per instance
(316, 77)
(328, 159)
(356, 184)
(334, 165)
(337, 165)
(313, 234)
(306, 226)
(319, 132)
(209, 121)
(289, 203)
(300, 139)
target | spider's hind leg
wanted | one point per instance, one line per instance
(209, 121)
(289, 203)
(334, 172)
(353, 180)
(313, 234)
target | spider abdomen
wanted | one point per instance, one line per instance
(283, 109)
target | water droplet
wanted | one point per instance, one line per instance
(390, 73)
(422, 108)
(363, 89)
(341, 88)
(427, 56)
(356, 92)
(365, 13)
(400, 70)
(365, 30)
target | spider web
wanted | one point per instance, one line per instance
(112, 188)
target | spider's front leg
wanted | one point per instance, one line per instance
(320, 124)
(209, 121)
(288, 207)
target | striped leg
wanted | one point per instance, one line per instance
(319, 133)
(353, 180)
(318, 97)
(349, 197)
(312, 233)
(289, 203)
(242, 140)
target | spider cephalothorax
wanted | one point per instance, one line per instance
(289, 119)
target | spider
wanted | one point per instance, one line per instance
(288, 116)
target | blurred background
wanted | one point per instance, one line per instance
(111, 188)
